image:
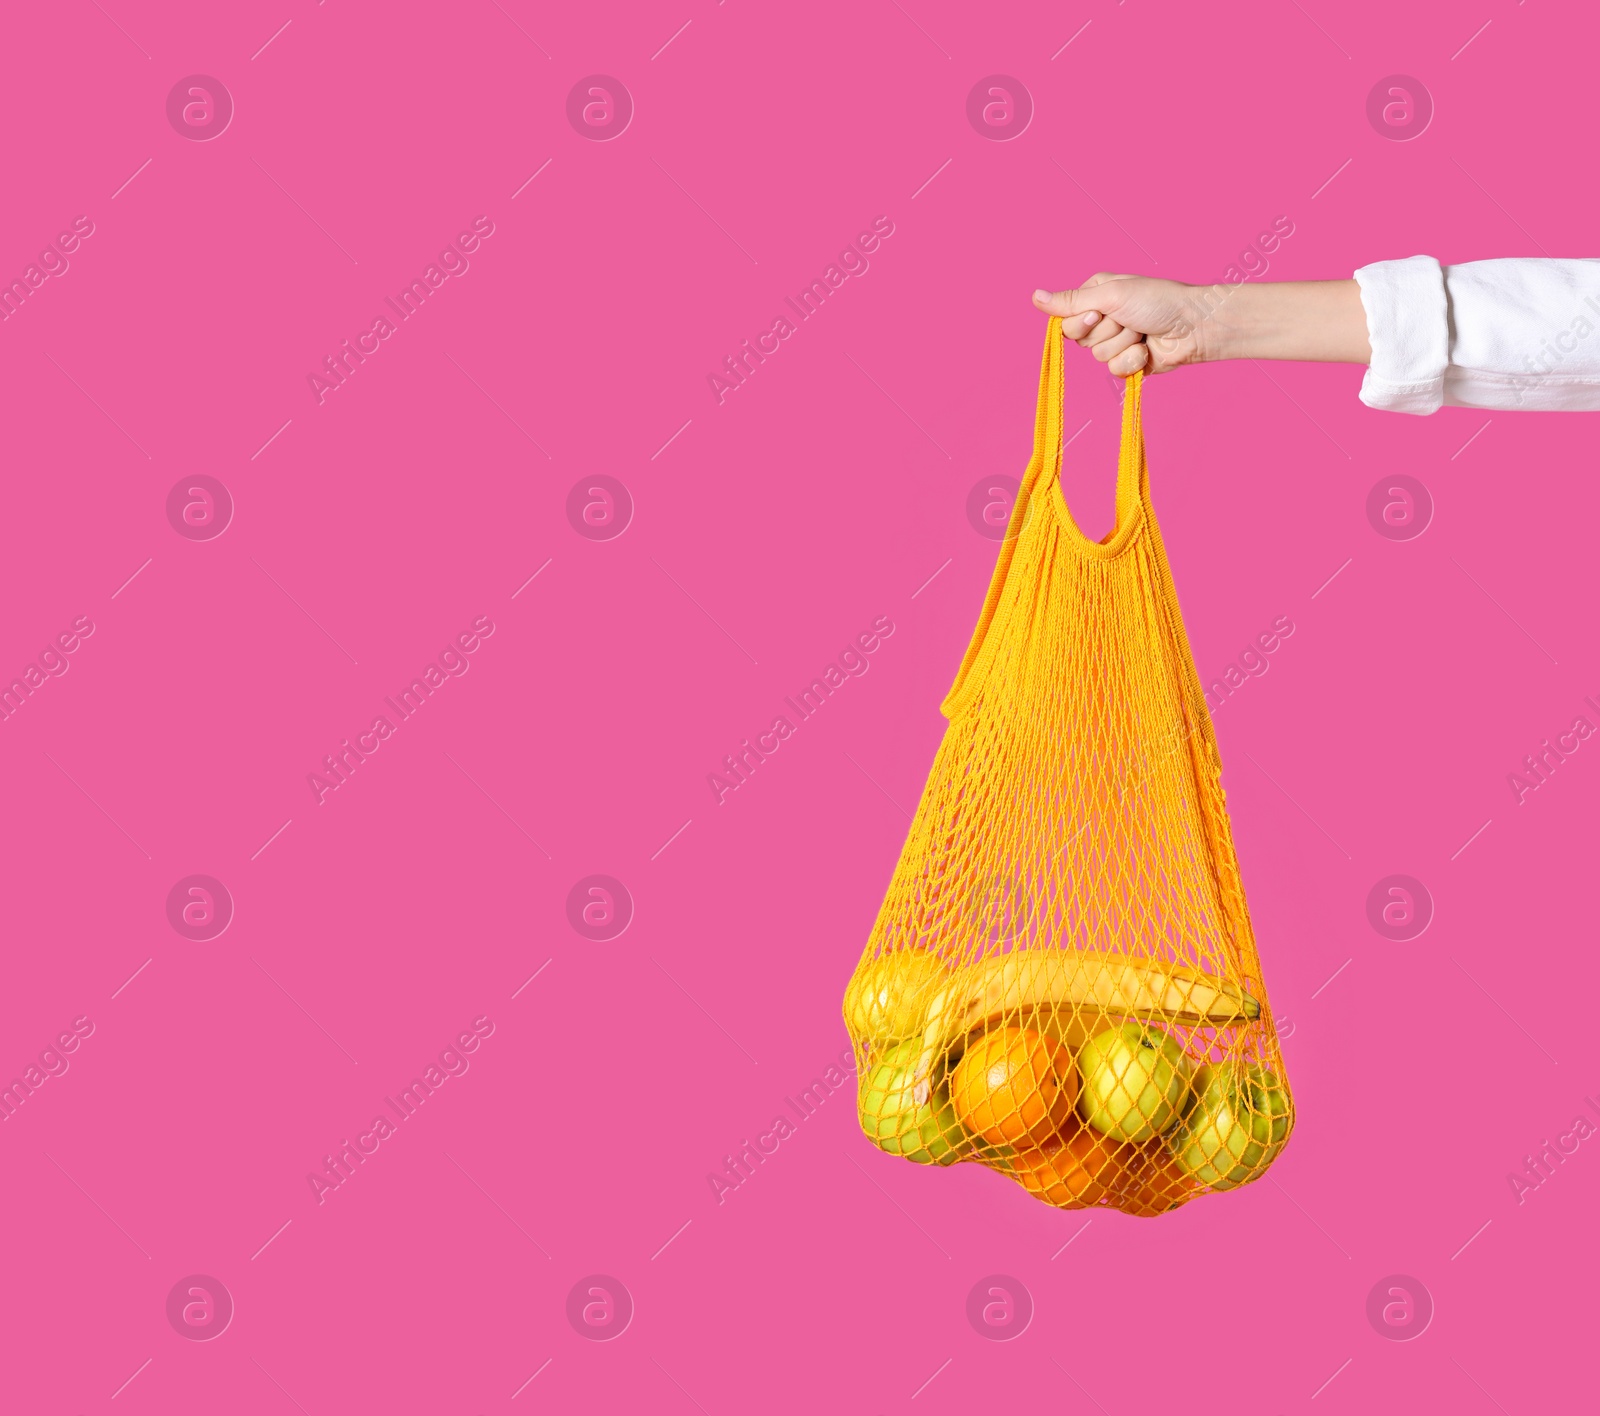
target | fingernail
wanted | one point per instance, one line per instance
(1040, 297)
(1090, 318)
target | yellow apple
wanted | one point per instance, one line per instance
(887, 998)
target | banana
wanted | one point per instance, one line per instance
(1051, 980)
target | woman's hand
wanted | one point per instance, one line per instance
(1133, 322)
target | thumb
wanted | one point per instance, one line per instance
(1096, 295)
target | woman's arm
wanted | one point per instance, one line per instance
(1515, 333)
(1133, 322)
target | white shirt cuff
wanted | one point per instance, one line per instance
(1408, 326)
(1522, 334)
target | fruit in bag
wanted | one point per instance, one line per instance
(1071, 1174)
(1236, 1129)
(893, 1120)
(1136, 1082)
(886, 1000)
(1155, 1185)
(1015, 1085)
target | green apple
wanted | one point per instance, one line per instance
(1236, 1129)
(1274, 1111)
(1136, 1082)
(929, 1134)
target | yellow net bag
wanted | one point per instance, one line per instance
(1062, 983)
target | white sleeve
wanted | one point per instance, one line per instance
(1514, 334)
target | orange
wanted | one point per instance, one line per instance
(1155, 1183)
(1071, 1175)
(1015, 1086)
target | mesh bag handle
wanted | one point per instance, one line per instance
(1040, 493)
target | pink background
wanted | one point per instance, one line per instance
(767, 532)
